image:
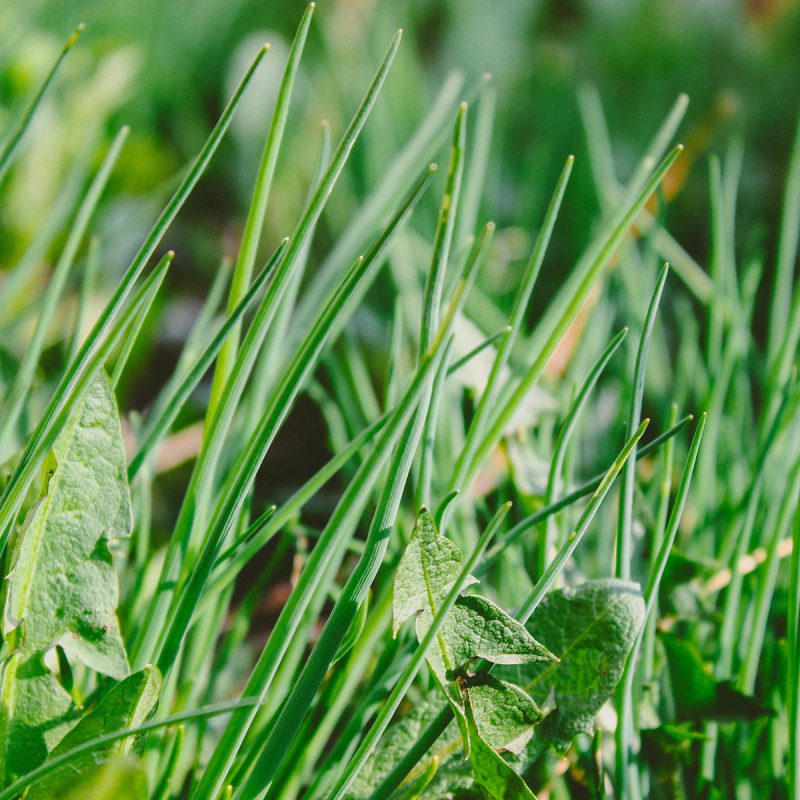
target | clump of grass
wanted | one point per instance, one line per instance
(133, 661)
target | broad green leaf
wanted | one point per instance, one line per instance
(426, 571)
(591, 629)
(63, 585)
(477, 628)
(494, 775)
(127, 705)
(697, 695)
(35, 713)
(504, 713)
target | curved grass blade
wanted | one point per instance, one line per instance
(624, 552)
(14, 136)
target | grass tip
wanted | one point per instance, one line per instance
(486, 77)
(570, 159)
(423, 509)
(679, 148)
(325, 123)
(508, 329)
(462, 109)
(507, 505)
(170, 254)
(264, 49)
(433, 166)
(312, 6)
(79, 29)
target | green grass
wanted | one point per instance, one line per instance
(223, 630)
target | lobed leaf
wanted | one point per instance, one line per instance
(426, 572)
(63, 585)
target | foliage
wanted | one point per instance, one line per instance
(220, 519)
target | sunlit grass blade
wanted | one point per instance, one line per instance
(624, 550)
(429, 136)
(14, 136)
(507, 539)
(477, 163)
(245, 261)
(782, 288)
(434, 285)
(575, 292)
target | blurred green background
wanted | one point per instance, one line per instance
(167, 67)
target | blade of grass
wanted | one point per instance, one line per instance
(516, 318)
(157, 427)
(788, 238)
(507, 539)
(429, 136)
(586, 273)
(245, 261)
(547, 539)
(434, 286)
(624, 551)
(11, 142)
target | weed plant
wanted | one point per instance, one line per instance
(557, 558)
